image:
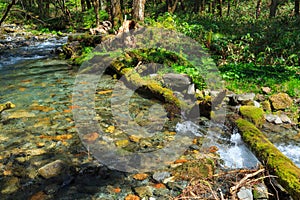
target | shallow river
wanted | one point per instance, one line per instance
(41, 128)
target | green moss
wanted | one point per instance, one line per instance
(195, 169)
(253, 114)
(288, 173)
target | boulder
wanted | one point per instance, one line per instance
(52, 169)
(281, 101)
(266, 90)
(177, 81)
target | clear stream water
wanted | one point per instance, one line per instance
(40, 85)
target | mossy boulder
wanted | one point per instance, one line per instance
(266, 105)
(277, 163)
(253, 114)
(281, 101)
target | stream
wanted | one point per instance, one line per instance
(41, 129)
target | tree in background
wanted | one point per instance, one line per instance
(138, 10)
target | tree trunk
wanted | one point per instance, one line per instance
(96, 10)
(219, 6)
(228, 7)
(103, 4)
(273, 8)
(83, 8)
(297, 13)
(116, 12)
(9, 6)
(138, 10)
(88, 4)
(258, 9)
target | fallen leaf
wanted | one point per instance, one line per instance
(26, 81)
(181, 161)
(105, 92)
(140, 176)
(110, 129)
(132, 197)
(117, 190)
(74, 107)
(90, 137)
(159, 185)
(22, 89)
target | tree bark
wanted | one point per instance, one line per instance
(258, 9)
(273, 8)
(83, 8)
(138, 10)
(9, 6)
(116, 12)
(88, 4)
(96, 10)
(219, 6)
(297, 13)
(228, 7)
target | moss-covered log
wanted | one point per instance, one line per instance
(288, 173)
(153, 86)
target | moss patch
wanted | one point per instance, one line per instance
(288, 173)
(253, 114)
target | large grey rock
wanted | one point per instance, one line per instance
(177, 81)
(245, 98)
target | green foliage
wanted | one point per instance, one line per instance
(89, 19)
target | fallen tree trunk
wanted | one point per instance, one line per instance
(288, 173)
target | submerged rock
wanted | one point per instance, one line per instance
(11, 186)
(52, 169)
(160, 176)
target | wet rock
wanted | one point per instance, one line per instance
(277, 120)
(266, 90)
(160, 176)
(11, 186)
(256, 104)
(245, 194)
(52, 169)
(39, 196)
(191, 89)
(270, 118)
(140, 177)
(260, 191)
(177, 81)
(51, 189)
(281, 101)
(285, 119)
(245, 98)
(143, 191)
